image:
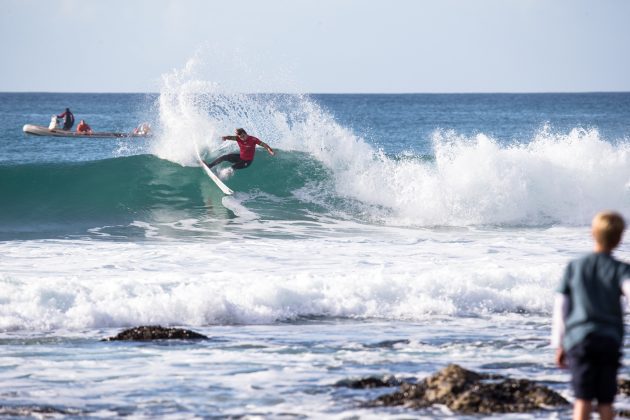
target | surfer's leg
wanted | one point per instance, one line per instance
(232, 157)
(242, 164)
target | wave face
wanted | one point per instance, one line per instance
(68, 198)
(61, 199)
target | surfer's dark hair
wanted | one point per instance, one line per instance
(240, 131)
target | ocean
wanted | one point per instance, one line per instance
(390, 234)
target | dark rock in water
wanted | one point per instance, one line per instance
(467, 392)
(624, 386)
(156, 332)
(367, 383)
(387, 343)
(35, 411)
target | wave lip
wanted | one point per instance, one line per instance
(554, 179)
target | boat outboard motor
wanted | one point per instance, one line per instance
(53, 122)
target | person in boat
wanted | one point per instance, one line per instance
(68, 119)
(247, 145)
(84, 128)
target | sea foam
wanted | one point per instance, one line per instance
(395, 275)
(554, 179)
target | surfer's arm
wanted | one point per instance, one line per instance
(266, 146)
(229, 138)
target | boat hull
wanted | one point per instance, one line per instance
(38, 130)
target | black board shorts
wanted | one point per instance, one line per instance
(234, 158)
(593, 364)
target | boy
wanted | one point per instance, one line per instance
(588, 319)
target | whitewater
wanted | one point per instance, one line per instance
(391, 234)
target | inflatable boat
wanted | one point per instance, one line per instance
(39, 130)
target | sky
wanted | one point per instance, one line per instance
(317, 46)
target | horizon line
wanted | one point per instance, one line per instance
(337, 93)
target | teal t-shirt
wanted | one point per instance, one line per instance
(593, 285)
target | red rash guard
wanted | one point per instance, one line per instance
(82, 128)
(248, 147)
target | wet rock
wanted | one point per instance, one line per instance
(156, 332)
(387, 344)
(368, 383)
(35, 411)
(623, 414)
(624, 386)
(467, 392)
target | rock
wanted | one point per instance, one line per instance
(623, 414)
(624, 386)
(36, 411)
(156, 332)
(450, 381)
(410, 395)
(367, 383)
(387, 344)
(467, 392)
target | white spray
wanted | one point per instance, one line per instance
(550, 179)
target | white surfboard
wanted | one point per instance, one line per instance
(226, 190)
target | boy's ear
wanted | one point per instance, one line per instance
(595, 237)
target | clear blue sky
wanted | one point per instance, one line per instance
(318, 45)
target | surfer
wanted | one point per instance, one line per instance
(68, 119)
(247, 144)
(84, 128)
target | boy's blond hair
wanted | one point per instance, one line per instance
(607, 229)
